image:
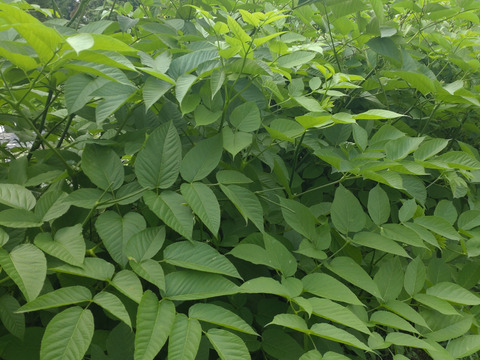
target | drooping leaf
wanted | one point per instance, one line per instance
(13, 321)
(464, 346)
(299, 217)
(113, 305)
(202, 159)
(379, 242)
(158, 163)
(333, 333)
(184, 338)
(438, 225)
(199, 256)
(402, 339)
(68, 335)
(454, 293)
(61, 297)
(264, 285)
(406, 311)
(290, 321)
(227, 345)
(391, 320)
(246, 202)
(103, 167)
(442, 306)
(154, 323)
(26, 265)
(153, 90)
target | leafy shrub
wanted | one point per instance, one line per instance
(276, 180)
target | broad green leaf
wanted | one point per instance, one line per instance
(252, 253)
(386, 47)
(402, 234)
(218, 315)
(453, 293)
(311, 355)
(169, 207)
(416, 80)
(9, 316)
(128, 284)
(391, 320)
(184, 338)
(19, 218)
(238, 31)
(113, 305)
(465, 346)
(389, 279)
(469, 219)
(102, 166)
(94, 268)
(192, 285)
(115, 231)
(81, 42)
(399, 148)
(438, 225)
(246, 203)
(348, 269)
(151, 271)
(296, 58)
(290, 321)
(61, 297)
(402, 339)
(328, 287)
(204, 204)
(26, 265)
(226, 177)
(88, 198)
(378, 205)
(16, 196)
(299, 217)
(112, 73)
(379, 242)
(199, 256)
(158, 163)
(68, 335)
(277, 343)
(414, 277)
(216, 81)
(376, 114)
(183, 84)
(442, 306)
(452, 329)
(154, 322)
(153, 90)
(346, 212)
(333, 333)
(51, 205)
(145, 244)
(407, 210)
(430, 148)
(406, 311)
(279, 256)
(204, 116)
(202, 159)
(227, 345)
(67, 245)
(246, 117)
(460, 160)
(332, 311)
(234, 142)
(112, 103)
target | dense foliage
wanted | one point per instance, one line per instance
(240, 179)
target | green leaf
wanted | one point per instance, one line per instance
(264, 285)
(102, 166)
(252, 253)
(218, 315)
(238, 31)
(407, 210)
(465, 346)
(460, 160)
(277, 343)
(151, 271)
(234, 142)
(453, 293)
(183, 84)
(68, 244)
(154, 323)
(299, 217)
(9, 316)
(399, 148)
(128, 284)
(199, 256)
(145, 244)
(452, 329)
(51, 205)
(16, 196)
(192, 285)
(378, 205)
(113, 305)
(333, 333)
(19, 218)
(169, 207)
(296, 58)
(202, 159)
(348, 269)
(158, 163)
(226, 177)
(115, 231)
(436, 303)
(377, 114)
(153, 90)
(87, 198)
(279, 256)
(204, 204)
(414, 277)
(407, 340)
(391, 320)
(246, 203)
(184, 338)
(402, 234)
(246, 117)
(346, 212)
(26, 265)
(68, 335)
(61, 297)
(430, 148)
(326, 286)
(94, 268)
(438, 225)
(290, 321)
(379, 242)
(332, 311)
(469, 219)
(406, 311)
(204, 116)
(311, 355)
(227, 345)
(81, 42)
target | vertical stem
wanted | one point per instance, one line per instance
(331, 38)
(295, 159)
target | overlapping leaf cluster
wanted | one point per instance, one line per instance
(241, 179)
